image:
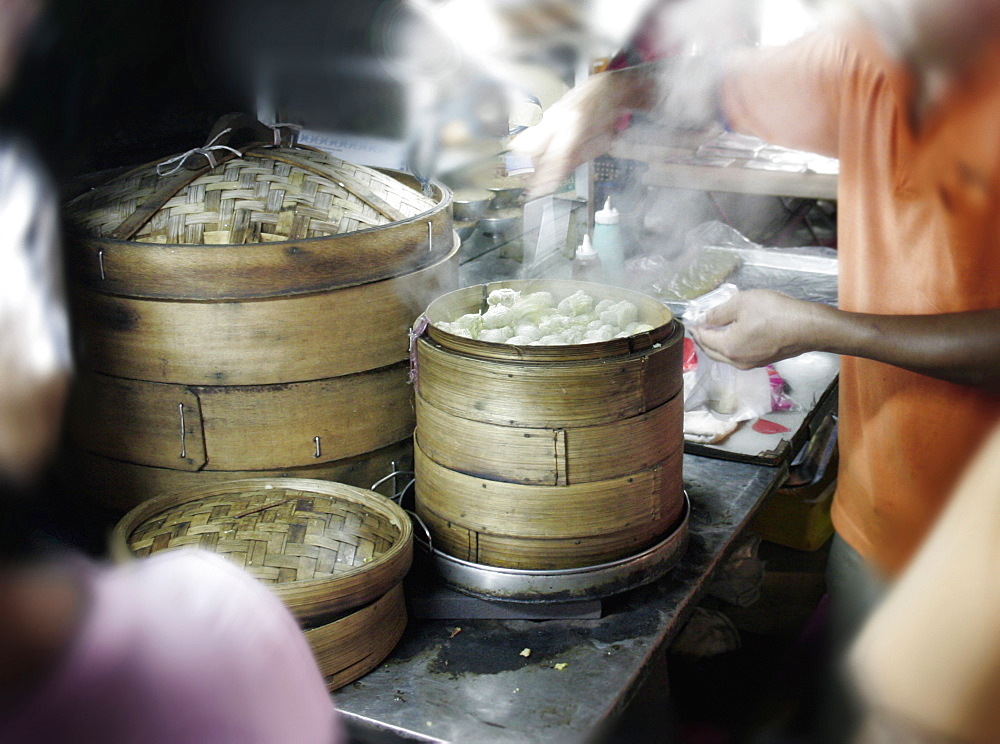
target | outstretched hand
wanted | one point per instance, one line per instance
(578, 127)
(757, 327)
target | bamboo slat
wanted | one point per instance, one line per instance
(324, 548)
(543, 527)
(649, 497)
(534, 394)
(241, 427)
(156, 424)
(534, 554)
(350, 647)
(263, 342)
(117, 486)
(554, 457)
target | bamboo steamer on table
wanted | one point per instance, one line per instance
(548, 457)
(336, 555)
(249, 312)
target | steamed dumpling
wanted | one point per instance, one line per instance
(496, 335)
(502, 296)
(577, 303)
(498, 316)
(620, 314)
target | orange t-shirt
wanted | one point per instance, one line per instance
(918, 232)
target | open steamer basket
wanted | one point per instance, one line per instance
(336, 555)
(542, 470)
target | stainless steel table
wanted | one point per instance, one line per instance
(475, 685)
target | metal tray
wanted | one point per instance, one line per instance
(562, 585)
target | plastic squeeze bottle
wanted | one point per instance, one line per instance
(587, 264)
(608, 244)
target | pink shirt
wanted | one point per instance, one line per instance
(181, 647)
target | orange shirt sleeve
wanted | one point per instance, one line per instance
(790, 95)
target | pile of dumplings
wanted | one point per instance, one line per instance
(535, 319)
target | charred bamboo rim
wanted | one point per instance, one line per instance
(558, 585)
(308, 598)
(448, 307)
(274, 269)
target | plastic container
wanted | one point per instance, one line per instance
(608, 244)
(587, 264)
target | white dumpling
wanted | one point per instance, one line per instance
(554, 324)
(463, 332)
(604, 333)
(554, 339)
(520, 341)
(620, 314)
(470, 322)
(577, 303)
(603, 305)
(542, 298)
(498, 316)
(496, 335)
(529, 308)
(527, 330)
(502, 296)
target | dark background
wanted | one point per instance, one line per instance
(105, 84)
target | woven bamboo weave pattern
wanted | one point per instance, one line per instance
(267, 195)
(279, 535)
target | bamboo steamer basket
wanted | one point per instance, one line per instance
(336, 555)
(241, 427)
(548, 457)
(257, 342)
(119, 486)
(249, 312)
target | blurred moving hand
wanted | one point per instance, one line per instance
(581, 125)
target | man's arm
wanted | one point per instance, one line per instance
(758, 327)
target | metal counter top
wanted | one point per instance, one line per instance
(474, 685)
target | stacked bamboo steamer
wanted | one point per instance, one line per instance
(548, 457)
(247, 315)
(336, 555)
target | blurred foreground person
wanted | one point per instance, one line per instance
(928, 659)
(904, 93)
(183, 647)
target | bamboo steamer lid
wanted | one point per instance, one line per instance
(250, 214)
(324, 548)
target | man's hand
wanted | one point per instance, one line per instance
(758, 327)
(581, 125)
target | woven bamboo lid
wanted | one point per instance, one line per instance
(291, 219)
(323, 547)
(269, 194)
